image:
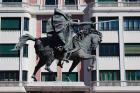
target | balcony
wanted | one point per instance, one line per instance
(115, 87)
(107, 4)
(48, 7)
(116, 83)
(37, 8)
(114, 6)
(13, 4)
(70, 7)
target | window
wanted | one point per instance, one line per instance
(109, 75)
(11, 0)
(46, 76)
(109, 49)
(131, 0)
(132, 49)
(44, 26)
(25, 51)
(132, 24)
(76, 28)
(12, 75)
(10, 23)
(73, 76)
(5, 51)
(107, 0)
(51, 2)
(108, 26)
(70, 2)
(93, 75)
(26, 24)
(133, 75)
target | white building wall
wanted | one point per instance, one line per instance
(108, 63)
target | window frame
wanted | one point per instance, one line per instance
(44, 27)
(11, 18)
(108, 26)
(55, 2)
(133, 53)
(14, 53)
(26, 23)
(103, 51)
(109, 75)
(11, 1)
(72, 73)
(131, 23)
(75, 2)
(5, 75)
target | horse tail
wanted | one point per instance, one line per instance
(22, 40)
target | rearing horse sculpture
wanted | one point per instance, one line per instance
(47, 49)
(60, 26)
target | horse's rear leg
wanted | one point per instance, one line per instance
(37, 67)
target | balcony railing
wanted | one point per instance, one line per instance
(13, 4)
(94, 83)
(10, 83)
(115, 83)
(107, 4)
(115, 4)
(70, 7)
(131, 4)
(48, 7)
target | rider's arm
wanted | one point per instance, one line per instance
(81, 23)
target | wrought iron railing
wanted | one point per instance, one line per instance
(94, 83)
(115, 4)
(13, 4)
(70, 7)
(48, 7)
(11, 83)
(116, 83)
(108, 4)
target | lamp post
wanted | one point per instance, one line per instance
(21, 54)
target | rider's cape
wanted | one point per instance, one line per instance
(58, 22)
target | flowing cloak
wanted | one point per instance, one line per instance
(58, 22)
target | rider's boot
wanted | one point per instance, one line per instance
(48, 69)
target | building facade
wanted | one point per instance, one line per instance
(117, 68)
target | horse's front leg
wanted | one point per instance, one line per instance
(75, 62)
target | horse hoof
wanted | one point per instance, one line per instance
(60, 65)
(66, 60)
(48, 69)
(34, 77)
